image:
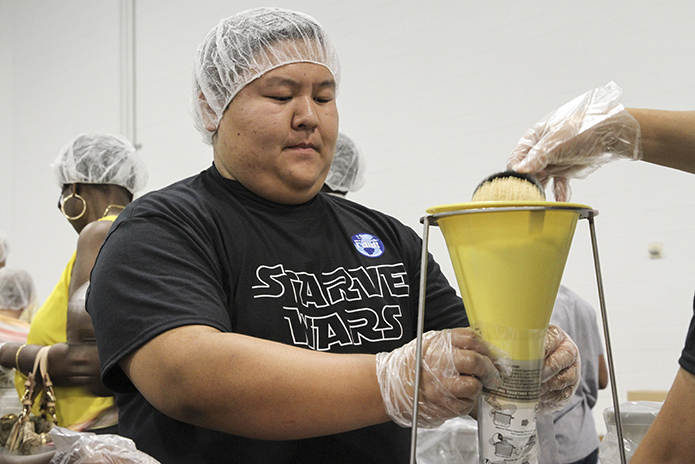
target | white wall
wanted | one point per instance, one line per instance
(437, 96)
(5, 115)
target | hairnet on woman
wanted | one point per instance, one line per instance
(97, 175)
(100, 159)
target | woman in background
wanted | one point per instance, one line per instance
(17, 296)
(98, 175)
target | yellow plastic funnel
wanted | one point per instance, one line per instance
(509, 258)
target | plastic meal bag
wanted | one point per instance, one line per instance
(89, 448)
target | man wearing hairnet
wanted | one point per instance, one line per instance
(240, 312)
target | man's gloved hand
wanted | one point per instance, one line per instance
(456, 363)
(578, 138)
(561, 370)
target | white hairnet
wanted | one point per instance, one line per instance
(347, 169)
(100, 159)
(4, 249)
(17, 291)
(245, 46)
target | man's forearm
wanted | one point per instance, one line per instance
(255, 388)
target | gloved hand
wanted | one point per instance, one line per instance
(561, 370)
(578, 138)
(456, 363)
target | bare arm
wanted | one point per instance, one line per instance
(67, 366)
(255, 388)
(668, 439)
(88, 245)
(668, 137)
(80, 358)
(81, 349)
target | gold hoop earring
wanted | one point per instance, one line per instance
(62, 206)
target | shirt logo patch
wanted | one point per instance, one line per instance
(368, 245)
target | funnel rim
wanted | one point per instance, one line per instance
(453, 209)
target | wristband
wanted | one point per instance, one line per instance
(16, 357)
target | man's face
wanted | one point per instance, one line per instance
(277, 136)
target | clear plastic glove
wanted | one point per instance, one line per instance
(578, 138)
(561, 370)
(456, 363)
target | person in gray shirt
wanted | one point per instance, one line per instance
(575, 429)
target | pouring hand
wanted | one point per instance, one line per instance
(578, 138)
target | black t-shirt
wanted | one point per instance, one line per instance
(687, 360)
(328, 275)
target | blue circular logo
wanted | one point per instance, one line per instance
(368, 245)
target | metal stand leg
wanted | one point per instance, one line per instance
(418, 346)
(609, 352)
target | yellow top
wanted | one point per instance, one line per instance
(75, 406)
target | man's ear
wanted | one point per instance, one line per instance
(206, 113)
